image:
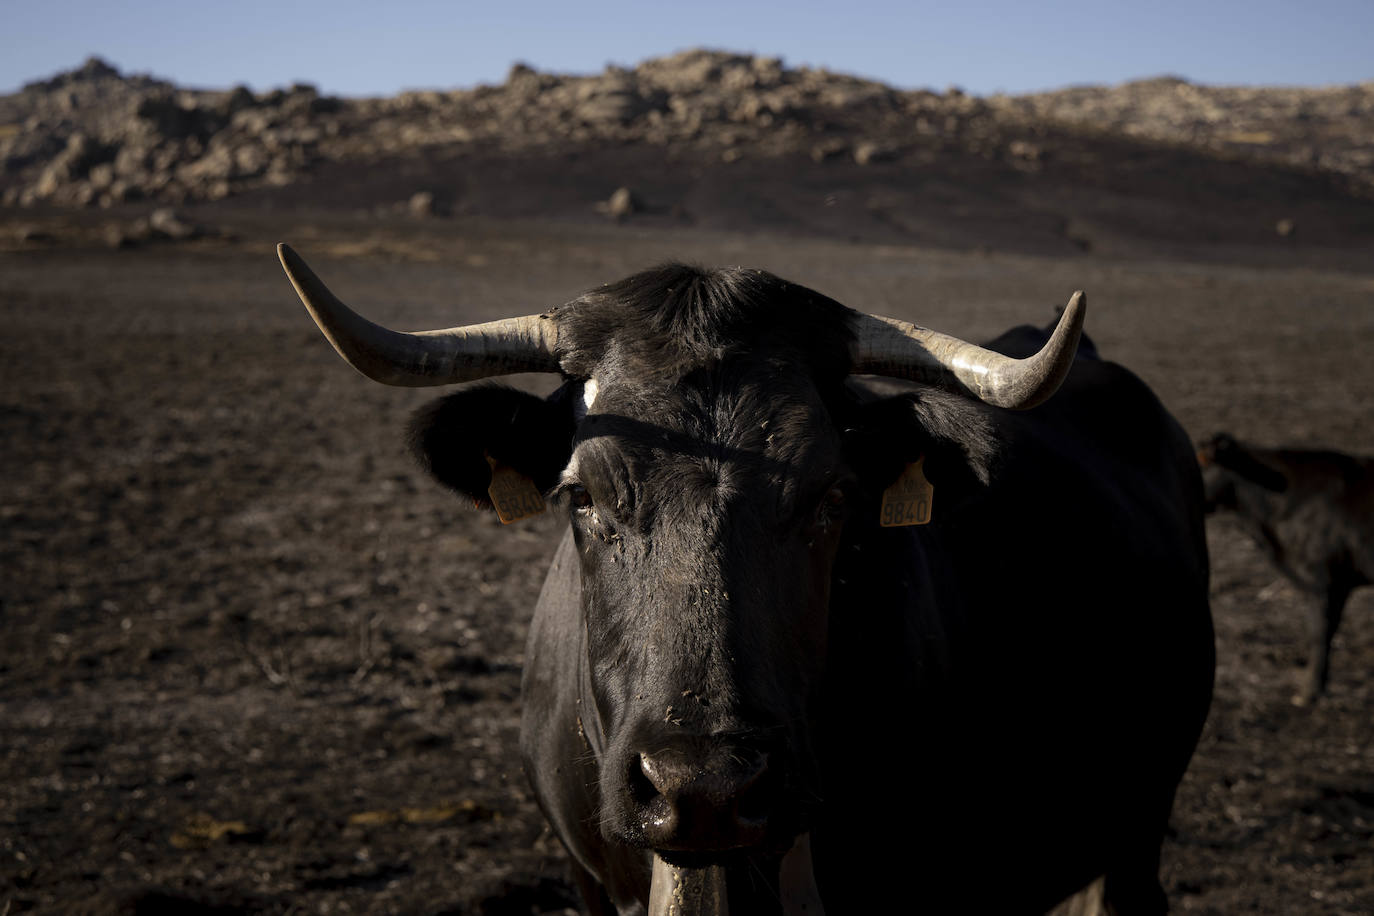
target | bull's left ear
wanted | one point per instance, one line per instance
(453, 437)
(955, 436)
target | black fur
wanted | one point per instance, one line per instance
(675, 316)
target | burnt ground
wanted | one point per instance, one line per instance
(252, 660)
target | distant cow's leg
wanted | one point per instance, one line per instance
(1323, 618)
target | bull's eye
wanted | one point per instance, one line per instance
(831, 506)
(578, 497)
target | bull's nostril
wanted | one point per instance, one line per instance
(643, 787)
(649, 769)
(652, 789)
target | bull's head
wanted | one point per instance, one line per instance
(710, 457)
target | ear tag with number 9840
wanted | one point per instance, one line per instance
(907, 501)
(513, 494)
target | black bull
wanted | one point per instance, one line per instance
(734, 670)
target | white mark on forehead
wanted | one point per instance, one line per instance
(569, 475)
(589, 390)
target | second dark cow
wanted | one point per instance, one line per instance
(1312, 513)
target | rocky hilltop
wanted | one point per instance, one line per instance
(718, 140)
(96, 136)
(1328, 129)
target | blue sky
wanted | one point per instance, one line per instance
(382, 46)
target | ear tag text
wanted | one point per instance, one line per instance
(907, 501)
(513, 494)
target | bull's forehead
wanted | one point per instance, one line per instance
(748, 407)
(726, 426)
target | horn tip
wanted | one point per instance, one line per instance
(1073, 313)
(301, 276)
(287, 255)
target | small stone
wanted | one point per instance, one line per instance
(421, 204)
(165, 221)
(869, 152)
(622, 204)
(118, 237)
(829, 149)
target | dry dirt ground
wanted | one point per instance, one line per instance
(252, 660)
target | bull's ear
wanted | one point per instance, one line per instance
(955, 436)
(453, 437)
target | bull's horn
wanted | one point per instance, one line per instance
(886, 346)
(414, 360)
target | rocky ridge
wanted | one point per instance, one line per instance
(94, 136)
(1329, 129)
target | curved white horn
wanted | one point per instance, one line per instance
(887, 346)
(463, 354)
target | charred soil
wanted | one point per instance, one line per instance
(254, 661)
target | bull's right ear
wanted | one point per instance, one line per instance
(453, 437)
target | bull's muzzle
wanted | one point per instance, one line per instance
(695, 804)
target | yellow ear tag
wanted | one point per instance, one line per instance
(513, 494)
(907, 501)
